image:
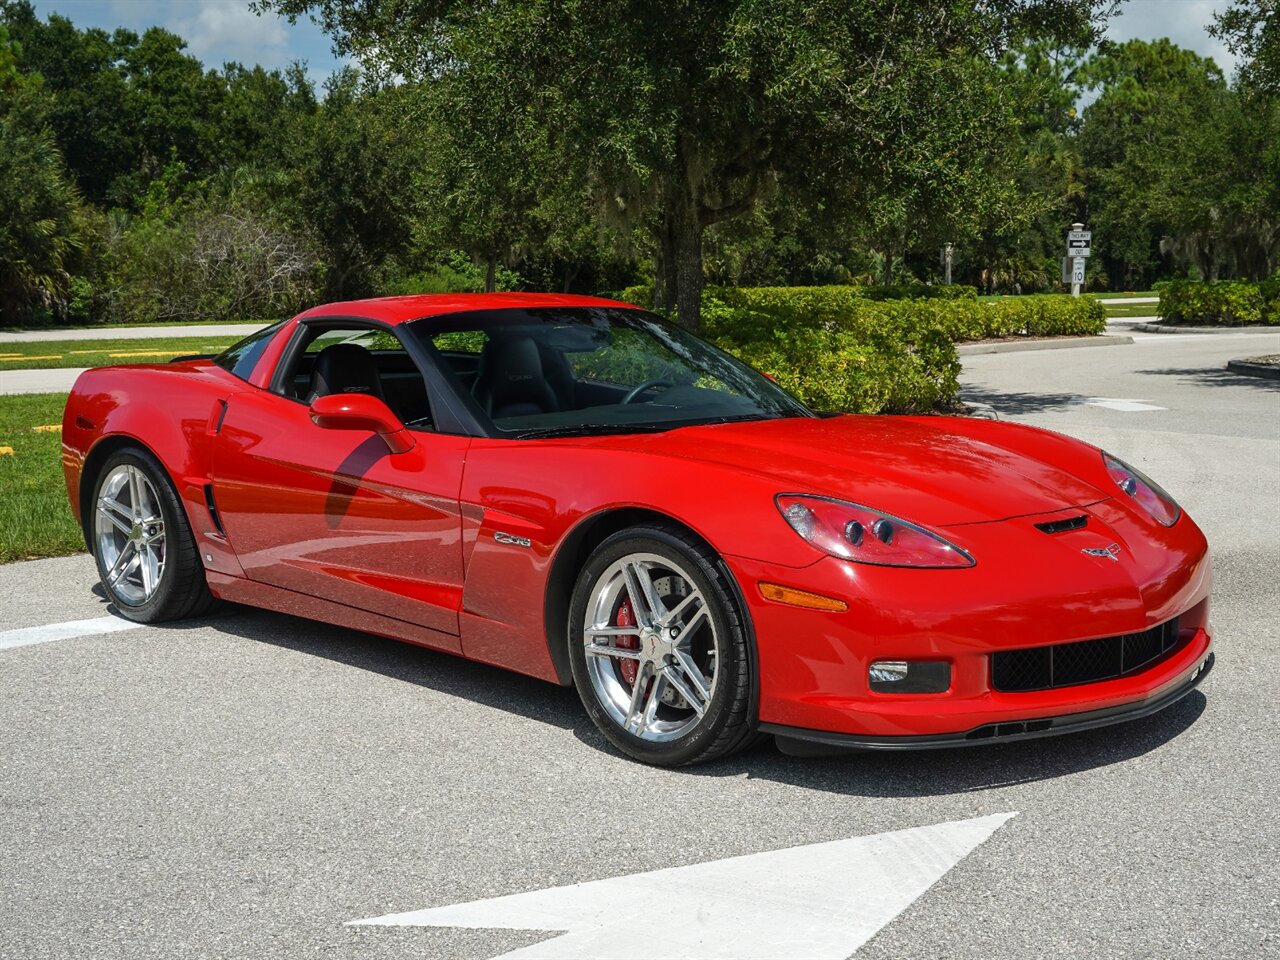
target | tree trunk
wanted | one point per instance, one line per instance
(678, 282)
(664, 280)
(570, 274)
(490, 274)
(686, 238)
(888, 268)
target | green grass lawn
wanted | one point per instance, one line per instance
(1130, 309)
(46, 354)
(35, 520)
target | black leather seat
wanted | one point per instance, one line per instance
(511, 381)
(345, 368)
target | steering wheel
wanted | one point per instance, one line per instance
(643, 387)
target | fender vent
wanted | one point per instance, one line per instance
(1062, 526)
(213, 509)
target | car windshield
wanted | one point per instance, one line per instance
(557, 371)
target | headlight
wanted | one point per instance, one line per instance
(1143, 489)
(853, 532)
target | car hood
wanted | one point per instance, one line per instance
(914, 468)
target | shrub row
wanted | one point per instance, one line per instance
(838, 349)
(758, 310)
(1225, 303)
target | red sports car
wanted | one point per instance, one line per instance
(575, 489)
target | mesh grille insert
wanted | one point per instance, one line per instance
(1087, 661)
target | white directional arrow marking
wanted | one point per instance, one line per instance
(1116, 403)
(824, 900)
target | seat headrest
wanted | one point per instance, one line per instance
(511, 380)
(345, 368)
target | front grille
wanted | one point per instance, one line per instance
(1088, 661)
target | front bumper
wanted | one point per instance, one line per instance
(1028, 590)
(806, 743)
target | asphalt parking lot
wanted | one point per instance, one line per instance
(246, 784)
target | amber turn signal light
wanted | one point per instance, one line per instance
(801, 598)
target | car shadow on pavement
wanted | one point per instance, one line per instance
(1216, 377)
(929, 773)
(1013, 402)
(908, 774)
(444, 672)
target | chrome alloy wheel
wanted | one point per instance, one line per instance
(651, 647)
(129, 530)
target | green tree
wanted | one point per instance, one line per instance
(1180, 165)
(1251, 29)
(1157, 102)
(41, 226)
(685, 115)
(144, 98)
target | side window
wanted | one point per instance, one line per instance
(348, 358)
(240, 358)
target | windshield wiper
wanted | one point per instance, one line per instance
(593, 430)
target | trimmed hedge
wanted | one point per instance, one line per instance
(1224, 303)
(963, 317)
(838, 349)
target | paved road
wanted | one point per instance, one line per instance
(132, 333)
(240, 786)
(57, 380)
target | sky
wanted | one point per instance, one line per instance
(221, 30)
(216, 31)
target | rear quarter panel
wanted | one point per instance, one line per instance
(170, 409)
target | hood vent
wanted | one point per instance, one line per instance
(1062, 526)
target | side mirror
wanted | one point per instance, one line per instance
(360, 411)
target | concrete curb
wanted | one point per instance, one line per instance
(1059, 343)
(1169, 328)
(1254, 369)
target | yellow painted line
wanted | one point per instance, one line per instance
(51, 428)
(10, 354)
(144, 353)
(51, 356)
(99, 350)
(6, 451)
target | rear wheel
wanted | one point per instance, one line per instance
(659, 650)
(146, 554)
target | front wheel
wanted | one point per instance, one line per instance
(146, 554)
(659, 649)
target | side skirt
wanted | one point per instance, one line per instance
(254, 594)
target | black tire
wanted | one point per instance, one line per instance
(182, 590)
(727, 725)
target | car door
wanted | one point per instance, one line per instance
(334, 513)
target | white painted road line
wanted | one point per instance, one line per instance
(824, 900)
(25, 636)
(1117, 403)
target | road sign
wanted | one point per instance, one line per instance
(1077, 269)
(1079, 242)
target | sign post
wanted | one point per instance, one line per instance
(945, 257)
(1079, 244)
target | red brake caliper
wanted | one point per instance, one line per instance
(627, 618)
